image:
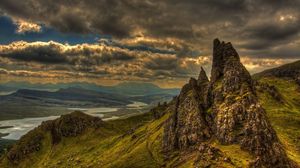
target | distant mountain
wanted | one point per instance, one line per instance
(153, 98)
(228, 121)
(73, 94)
(38, 103)
(125, 89)
(26, 103)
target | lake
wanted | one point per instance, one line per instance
(20, 127)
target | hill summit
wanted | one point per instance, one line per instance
(69, 125)
(226, 109)
(287, 71)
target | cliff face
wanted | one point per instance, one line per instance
(187, 125)
(225, 108)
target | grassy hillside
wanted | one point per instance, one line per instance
(136, 141)
(132, 142)
(286, 71)
(285, 115)
(113, 145)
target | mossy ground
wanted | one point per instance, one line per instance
(284, 117)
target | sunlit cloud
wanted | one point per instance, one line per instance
(103, 61)
(26, 27)
(124, 61)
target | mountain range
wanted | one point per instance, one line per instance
(38, 100)
(232, 120)
(125, 88)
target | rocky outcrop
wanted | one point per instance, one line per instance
(188, 124)
(225, 108)
(31, 142)
(239, 118)
(159, 110)
(68, 125)
(202, 78)
(221, 52)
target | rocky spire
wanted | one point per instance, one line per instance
(202, 78)
(239, 116)
(187, 125)
(221, 53)
(236, 117)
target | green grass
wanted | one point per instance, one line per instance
(113, 145)
(284, 117)
(238, 157)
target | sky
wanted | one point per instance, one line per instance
(160, 41)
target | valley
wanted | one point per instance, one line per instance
(14, 129)
(40, 103)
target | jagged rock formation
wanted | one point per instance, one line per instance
(68, 125)
(221, 52)
(187, 125)
(225, 108)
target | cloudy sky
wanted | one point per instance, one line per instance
(160, 41)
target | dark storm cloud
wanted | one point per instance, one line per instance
(104, 16)
(57, 53)
(157, 39)
(44, 54)
(162, 63)
(121, 17)
(255, 23)
(52, 59)
(273, 32)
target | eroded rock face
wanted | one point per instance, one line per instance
(226, 108)
(31, 142)
(221, 52)
(239, 118)
(70, 125)
(67, 125)
(187, 126)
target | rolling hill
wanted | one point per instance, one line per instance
(287, 71)
(38, 103)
